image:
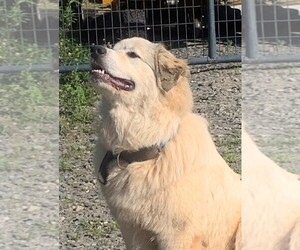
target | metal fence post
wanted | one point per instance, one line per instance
(212, 41)
(250, 29)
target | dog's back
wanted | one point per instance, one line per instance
(271, 202)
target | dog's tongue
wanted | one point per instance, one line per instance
(119, 83)
(116, 82)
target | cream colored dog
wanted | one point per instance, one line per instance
(271, 202)
(160, 172)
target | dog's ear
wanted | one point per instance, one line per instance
(168, 68)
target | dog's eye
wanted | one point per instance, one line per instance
(132, 54)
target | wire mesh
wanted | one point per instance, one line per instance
(177, 23)
(228, 27)
(278, 27)
(180, 24)
(28, 25)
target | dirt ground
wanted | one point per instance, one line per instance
(271, 110)
(84, 217)
(29, 161)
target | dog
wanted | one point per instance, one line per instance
(159, 170)
(271, 202)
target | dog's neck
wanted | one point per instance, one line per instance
(123, 128)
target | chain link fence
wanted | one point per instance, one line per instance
(29, 25)
(205, 31)
(271, 31)
(184, 24)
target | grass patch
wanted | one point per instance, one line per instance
(282, 149)
(230, 149)
(64, 165)
(281, 158)
(281, 141)
(76, 95)
(77, 101)
(233, 140)
(231, 157)
(93, 229)
(26, 96)
(114, 226)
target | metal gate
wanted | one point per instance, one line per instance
(28, 35)
(204, 31)
(271, 31)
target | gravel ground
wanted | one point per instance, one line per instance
(271, 110)
(28, 164)
(84, 217)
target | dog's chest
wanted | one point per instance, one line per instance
(132, 197)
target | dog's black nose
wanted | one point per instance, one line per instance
(98, 50)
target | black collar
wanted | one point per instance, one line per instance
(127, 157)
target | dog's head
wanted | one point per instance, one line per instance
(135, 67)
(144, 78)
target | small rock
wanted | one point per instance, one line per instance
(33, 208)
(290, 79)
(77, 208)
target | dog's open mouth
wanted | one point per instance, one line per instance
(116, 82)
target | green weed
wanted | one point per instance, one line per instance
(92, 228)
(76, 95)
(230, 149)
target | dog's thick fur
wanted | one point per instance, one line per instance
(187, 198)
(271, 202)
